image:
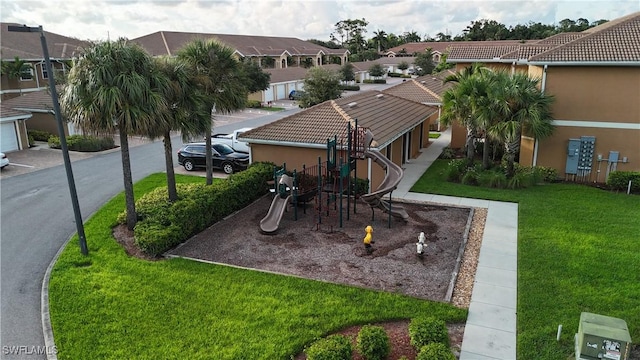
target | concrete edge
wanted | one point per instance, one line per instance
(47, 329)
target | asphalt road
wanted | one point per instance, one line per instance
(37, 219)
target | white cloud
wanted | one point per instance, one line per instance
(97, 19)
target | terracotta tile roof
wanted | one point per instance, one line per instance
(526, 51)
(386, 115)
(485, 53)
(169, 42)
(32, 101)
(423, 89)
(617, 41)
(7, 112)
(562, 38)
(384, 61)
(442, 46)
(27, 46)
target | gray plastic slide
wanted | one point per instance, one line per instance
(391, 180)
(279, 204)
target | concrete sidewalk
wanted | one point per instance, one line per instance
(490, 332)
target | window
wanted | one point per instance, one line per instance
(44, 71)
(26, 74)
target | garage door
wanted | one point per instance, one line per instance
(282, 93)
(268, 94)
(8, 140)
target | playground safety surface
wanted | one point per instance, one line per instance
(337, 254)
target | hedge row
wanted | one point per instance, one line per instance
(619, 181)
(163, 225)
(374, 81)
(83, 143)
(39, 135)
(350, 87)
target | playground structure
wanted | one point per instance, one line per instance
(329, 183)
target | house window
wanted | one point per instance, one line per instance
(26, 74)
(43, 69)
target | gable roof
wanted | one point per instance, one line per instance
(36, 101)
(27, 46)
(427, 89)
(615, 42)
(442, 46)
(8, 114)
(169, 42)
(386, 115)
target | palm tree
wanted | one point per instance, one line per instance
(381, 38)
(462, 103)
(523, 109)
(113, 86)
(220, 78)
(186, 111)
(16, 69)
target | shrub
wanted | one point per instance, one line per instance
(374, 81)
(456, 169)
(447, 153)
(394, 74)
(83, 143)
(470, 177)
(254, 104)
(334, 347)
(373, 342)
(426, 330)
(546, 174)
(350, 87)
(435, 351)
(619, 181)
(493, 179)
(39, 135)
(361, 186)
(521, 179)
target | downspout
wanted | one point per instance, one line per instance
(439, 114)
(543, 84)
(406, 147)
(513, 68)
(369, 175)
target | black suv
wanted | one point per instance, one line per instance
(192, 156)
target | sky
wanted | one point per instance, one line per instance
(111, 19)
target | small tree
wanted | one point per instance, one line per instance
(347, 73)
(320, 85)
(16, 69)
(443, 64)
(403, 65)
(376, 70)
(254, 77)
(424, 62)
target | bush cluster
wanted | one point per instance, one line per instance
(373, 343)
(458, 170)
(83, 143)
(350, 87)
(254, 104)
(39, 135)
(374, 81)
(426, 330)
(163, 225)
(334, 347)
(435, 351)
(619, 181)
(393, 74)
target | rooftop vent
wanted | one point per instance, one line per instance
(423, 82)
(380, 96)
(352, 104)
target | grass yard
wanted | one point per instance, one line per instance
(434, 135)
(578, 250)
(110, 306)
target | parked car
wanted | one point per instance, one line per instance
(192, 156)
(296, 94)
(232, 140)
(3, 160)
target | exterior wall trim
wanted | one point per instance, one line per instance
(597, 124)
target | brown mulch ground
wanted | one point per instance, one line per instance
(330, 253)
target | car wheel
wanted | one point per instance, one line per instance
(227, 168)
(188, 165)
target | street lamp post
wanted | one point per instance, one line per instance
(63, 141)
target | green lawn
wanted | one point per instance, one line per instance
(110, 306)
(434, 135)
(578, 250)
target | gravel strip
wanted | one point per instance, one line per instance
(464, 283)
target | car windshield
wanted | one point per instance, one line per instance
(222, 149)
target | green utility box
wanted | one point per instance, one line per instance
(602, 337)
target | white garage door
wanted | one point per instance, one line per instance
(282, 93)
(8, 140)
(268, 94)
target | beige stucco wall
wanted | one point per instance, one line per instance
(44, 122)
(414, 149)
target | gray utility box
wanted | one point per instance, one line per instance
(602, 337)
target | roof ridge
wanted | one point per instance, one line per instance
(342, 113)
(427, 90)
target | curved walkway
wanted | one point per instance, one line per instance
(490, 332)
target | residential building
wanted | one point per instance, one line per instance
(13, 130)
(594, 77)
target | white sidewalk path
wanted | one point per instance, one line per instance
(490, 332)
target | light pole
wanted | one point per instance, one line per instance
(63, 141)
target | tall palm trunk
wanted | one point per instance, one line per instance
(511, 148)
(132, 217)
(471, 136)
(168, 160)
(485, 153)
